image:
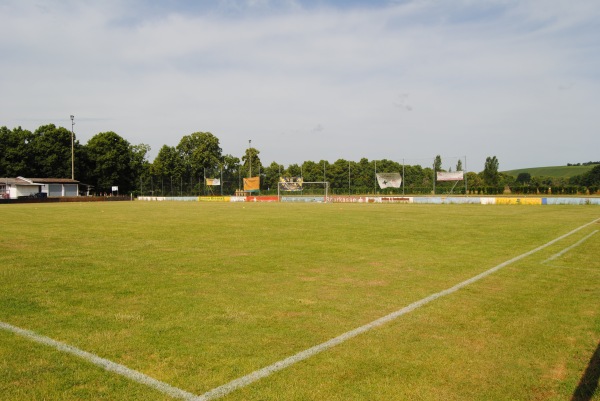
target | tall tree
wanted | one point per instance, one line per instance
(51, 150)
(199, 151)
(363, 175)
(140, 166)
(324, 166)
(459, 166)
(16, 157)
(110, 157)
(272, 174)
(168, 166)
(491, 176)
(437, 163)
(474, 179)
(337, 174)
(168, 163)
(252, 164)
(293, 170)
(591, 177)
(310, 171)
(523, 178)
(231, 174)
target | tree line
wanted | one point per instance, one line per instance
(108, 160)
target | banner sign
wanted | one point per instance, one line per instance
(262, 198)
(389, 180)
(213, 181)
(214, 199)
(451, 176)
(252, 184)
(291, 183)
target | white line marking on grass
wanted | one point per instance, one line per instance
(284, 363)
(244, 381)
(581, 241)
(101, 362)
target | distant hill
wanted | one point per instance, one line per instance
(555, 172)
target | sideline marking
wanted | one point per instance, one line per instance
(559, 254)
(131, 374)
(244, 381)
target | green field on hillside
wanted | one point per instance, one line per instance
(554, 172)
(197, 295)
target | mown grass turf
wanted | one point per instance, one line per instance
(199, 294)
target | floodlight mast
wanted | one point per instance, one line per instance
(72, 148)
(250, 157)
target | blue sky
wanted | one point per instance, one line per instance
(312, 80)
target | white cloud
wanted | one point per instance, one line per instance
(479, 78)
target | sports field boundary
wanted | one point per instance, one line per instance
(105, 364)
(252, 377)
(300, 356)
(436, 200)
(567, 249)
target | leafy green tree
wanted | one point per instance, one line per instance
(459, 166)
(361, 176)
(338, 174)
(272, 175)
(491, 176)
(168, 162)
(417, 179)
(110, 157)
(427, 181)
(231, 174)
(293, 170)
(199, 151)
(591, 177)
(251, 162)
(437, 163)
(51, 150)
(16, 157)
(169, 168)
(474, 180)
(324, 166)
(523, 178)
(141, 168)
(352, 171)
(311, 171)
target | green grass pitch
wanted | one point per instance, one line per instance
(196, 295)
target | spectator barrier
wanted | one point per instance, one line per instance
(437, 200)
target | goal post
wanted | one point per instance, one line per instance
(298, 193)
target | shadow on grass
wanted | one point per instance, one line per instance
(589, 381)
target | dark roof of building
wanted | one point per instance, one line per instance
(54, 180)
(16, 181)
(37, 181)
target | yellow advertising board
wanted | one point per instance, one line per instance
(518, 201)
(214, 198)
(252, 184)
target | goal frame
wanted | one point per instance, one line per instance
(325, 185)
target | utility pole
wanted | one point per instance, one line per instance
(465, 169)
(434, 176)
(348, 177)
(403, 180)
(72, 148)
(375, 188)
